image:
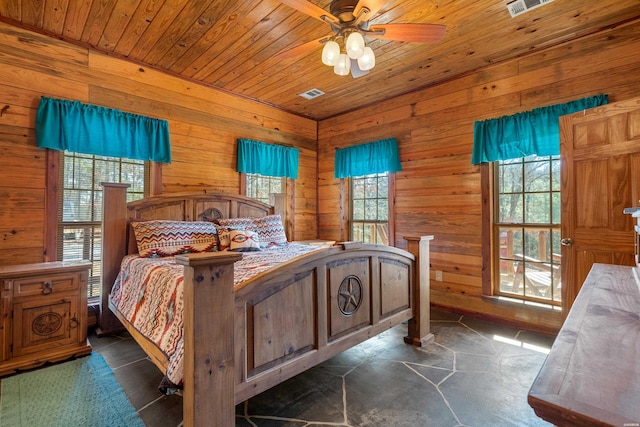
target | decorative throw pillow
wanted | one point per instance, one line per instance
(243, 241)
(270, 231)
(160, 238)
(224, 241)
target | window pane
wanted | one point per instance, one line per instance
(536, 176)
(371, 187)
(555, 208)
(371, 209)
(358, 210)
(357, 189)
(511, 208)
(537, 208)
(555, 173)
(510, 180)
(383, 209)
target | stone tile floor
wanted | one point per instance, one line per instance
(475, 373)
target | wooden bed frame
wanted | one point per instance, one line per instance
(276, 325)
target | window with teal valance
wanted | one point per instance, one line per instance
(267, 159)
(527, 133)
(91, 129)
(365, 159)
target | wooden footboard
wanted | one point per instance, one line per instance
(291, 318)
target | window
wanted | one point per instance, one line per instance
(261, 187)
(370, 208)
(80, 213)
(526, 229)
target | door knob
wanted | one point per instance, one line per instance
(566, 241)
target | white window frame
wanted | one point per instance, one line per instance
(526, 243)
(370, 209)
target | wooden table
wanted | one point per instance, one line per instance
(592, 373)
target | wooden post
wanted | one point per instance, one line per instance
(419, 326)
(281, 206)
(114, 247)
(209, 394)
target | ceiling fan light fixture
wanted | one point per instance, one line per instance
(343, 66)
(368, 59)
(330, 53)
(355, 45)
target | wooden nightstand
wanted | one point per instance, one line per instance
(43, 313)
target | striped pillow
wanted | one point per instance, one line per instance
(161, 238)
(270, 231)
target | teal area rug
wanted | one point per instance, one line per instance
(81, 392)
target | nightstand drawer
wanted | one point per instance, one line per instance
(45, 285)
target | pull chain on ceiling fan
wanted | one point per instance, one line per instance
(346, 50)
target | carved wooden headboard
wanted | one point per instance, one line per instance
(204, 205)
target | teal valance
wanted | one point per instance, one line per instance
(527, 133)
(366, 159)
(91, 129)
(267, 159)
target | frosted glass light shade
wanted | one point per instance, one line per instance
(330, 53)
(343, 66)
(368, 60)
(355, 45)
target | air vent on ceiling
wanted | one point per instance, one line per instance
(519, 7)
(311, 93)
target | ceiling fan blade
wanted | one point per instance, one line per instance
(372, 5)
(300, 50)
(310, 9)
(423, 33)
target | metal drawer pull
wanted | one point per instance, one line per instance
(47, 288)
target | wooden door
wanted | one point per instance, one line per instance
(600, 172)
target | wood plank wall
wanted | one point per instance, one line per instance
(204, 125)
(439, 190)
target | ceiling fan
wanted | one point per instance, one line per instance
(345, 50)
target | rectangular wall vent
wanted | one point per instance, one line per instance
(311, 93)
(519, 7)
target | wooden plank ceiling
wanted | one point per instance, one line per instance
(232, 44)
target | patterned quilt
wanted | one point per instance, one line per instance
(149, 293)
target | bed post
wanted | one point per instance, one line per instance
(114, 237)
(209, 352)
(419, 326)
(281, 206)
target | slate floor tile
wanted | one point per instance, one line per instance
(475, 373)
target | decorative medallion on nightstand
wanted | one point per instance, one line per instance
(47, 323)
(350, 295)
